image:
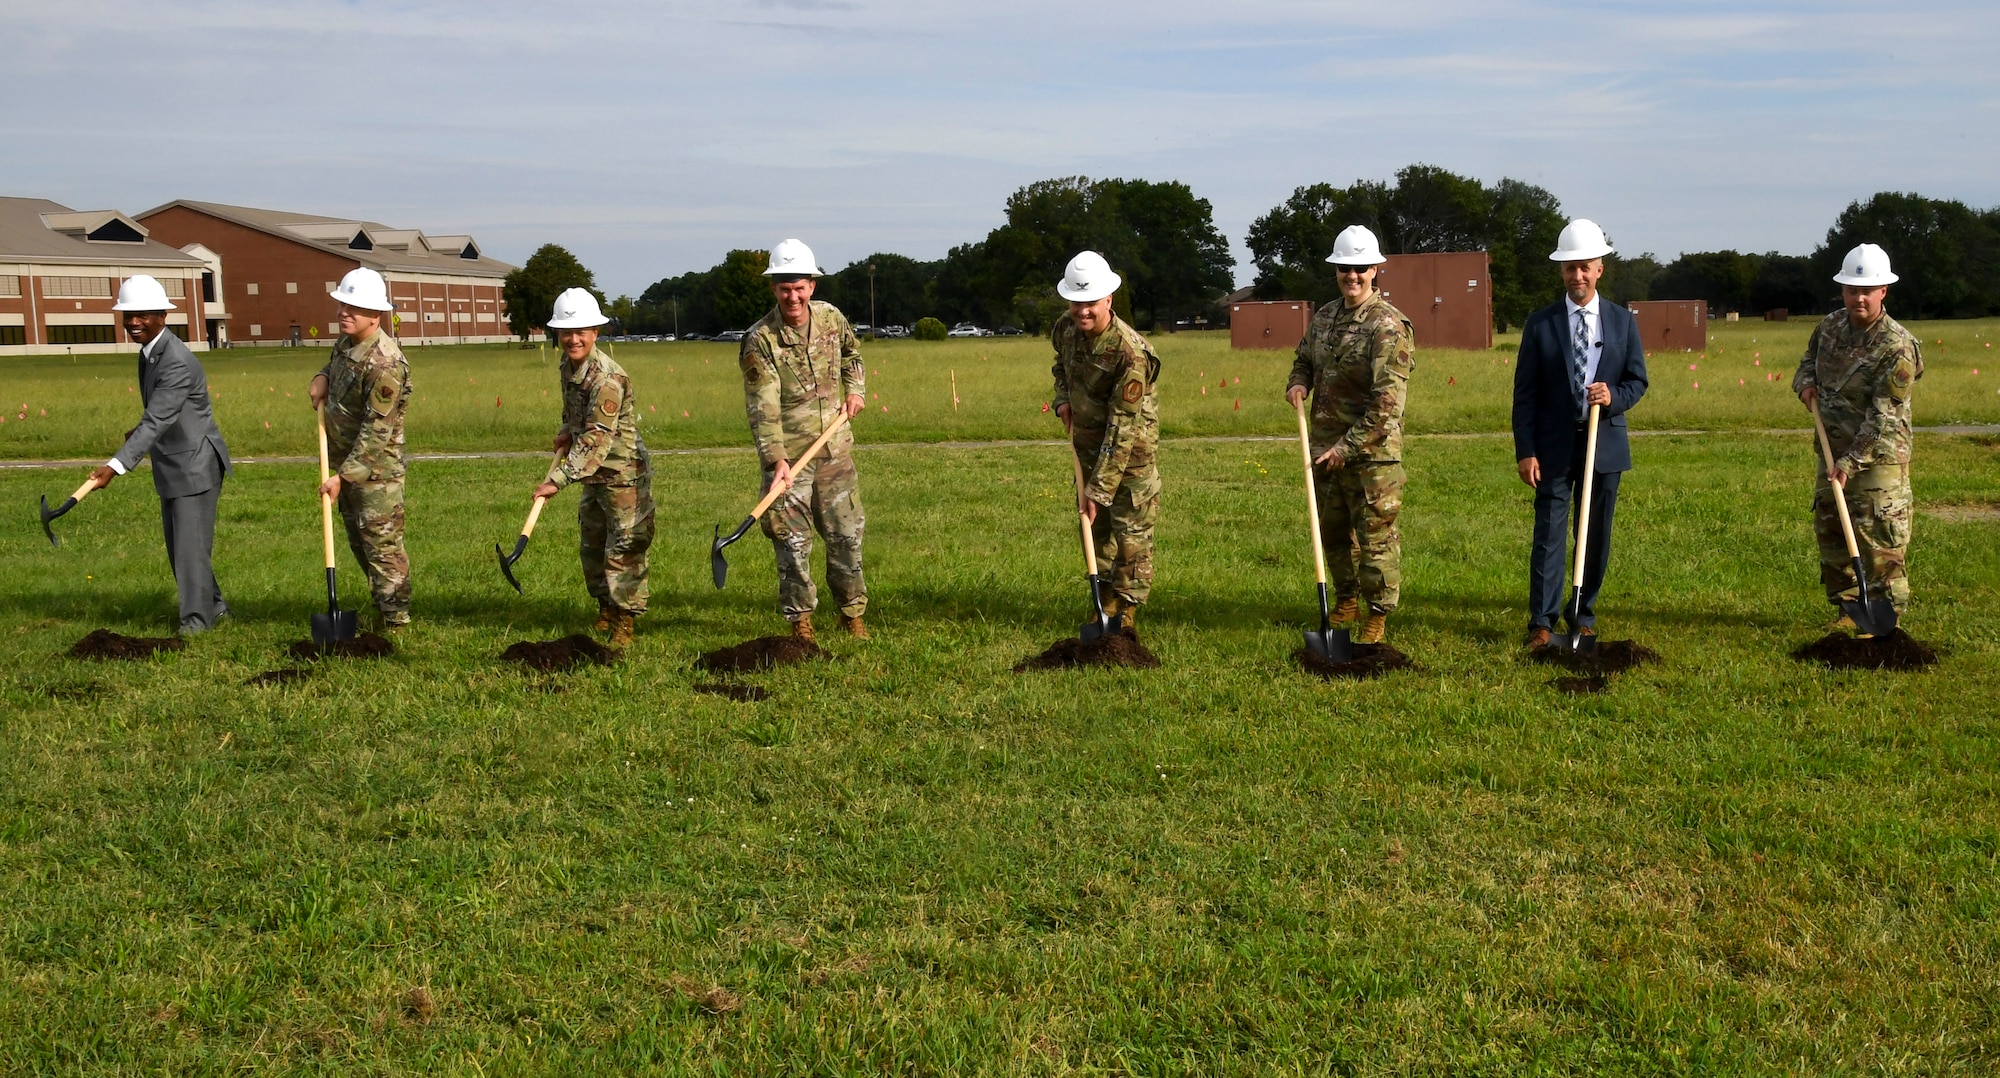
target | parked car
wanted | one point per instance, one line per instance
(966, 329)
(694, 336)
(732, 334)
(1008, 331)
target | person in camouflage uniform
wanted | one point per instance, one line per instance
(1105, 376)
(802, 368)
(365, 388)
(1355, 362)
(1859, 368)
(599, 449)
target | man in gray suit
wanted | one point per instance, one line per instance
(189, 457)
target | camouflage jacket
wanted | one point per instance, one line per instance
(367, 392)
(795, 381)
(1357, 364)
(1114, 408)
(1864, 378)
(605, 448)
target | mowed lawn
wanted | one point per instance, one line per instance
(912, 860)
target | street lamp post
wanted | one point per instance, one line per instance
(873, 331)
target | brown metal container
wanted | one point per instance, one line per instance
(1447, 297)
(1279, 324)
(1672, 325)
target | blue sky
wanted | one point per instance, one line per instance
(651, 137)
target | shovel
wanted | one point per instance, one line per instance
(521, 544)
(336, 624)
(718, 564)
(1577, 642)
(1328, 643)
(48, 514)
(1089, 630)
(1873, 617)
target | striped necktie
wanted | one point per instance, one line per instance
(1579, 354)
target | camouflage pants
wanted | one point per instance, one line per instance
(825, 497)
(1358, 507)
(1123, 532)
(614, 533)
(1878, 500)
(373, 513)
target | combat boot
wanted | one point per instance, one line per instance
(1349, 609)
(853, 626)
(605, 613)
(621, 630)
(1374, 629)
(1841, 624)
(802, 628)
(1128, 613)
(1112, 606)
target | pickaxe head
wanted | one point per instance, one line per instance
(717, 564)
(50, 514)
(507, 560)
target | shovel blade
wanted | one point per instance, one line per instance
(330, 629)
(507, 561)
(1333, 645)
(1872, 617)
(1093, 630)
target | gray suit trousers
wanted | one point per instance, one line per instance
(189, 523)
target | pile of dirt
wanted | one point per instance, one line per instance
(105, 644)
(740, 693)
(570, 652)
(1111, 649)
(1611, 657)
(1370, 660)
(762, 653)
(1896, 651)
(363, 646)
(284, 676)
(1581, 686)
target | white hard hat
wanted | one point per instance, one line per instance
(576, 308)
(142, 293)
(1087, 279)
(364, 289)
(792, 258)
(1356, 246)
(1581, 241)
(1865, 267)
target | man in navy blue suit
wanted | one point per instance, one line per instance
(1574, 353)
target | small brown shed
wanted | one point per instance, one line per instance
(1672, 325)
(1448, 297)
(1259, 324)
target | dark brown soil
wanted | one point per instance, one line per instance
(1580, 686)
(284, 676)
(1111, 649)
(744, 693)
(570, 652)
(762, 653)
(363, 646)
(1897, 651)
(1611, 657)
(105, 644)
(1370, 660)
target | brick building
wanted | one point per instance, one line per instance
(282, 265)
(59, 275)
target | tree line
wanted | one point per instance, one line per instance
(1177, 266)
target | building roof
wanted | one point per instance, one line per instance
(377, 246)
(37, 230)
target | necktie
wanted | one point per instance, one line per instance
(1579, 354)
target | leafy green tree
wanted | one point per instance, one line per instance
(1785, 281)
(1629, 280)
(901, 287)
(742, 292)
(1721, 278)
(530, 292)
(928, 329)
(1946, 254)
(1182, 263)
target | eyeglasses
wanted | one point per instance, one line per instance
(1354, 270)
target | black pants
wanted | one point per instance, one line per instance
(1550, 578)
(189, 523)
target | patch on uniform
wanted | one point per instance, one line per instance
(608, 406)
(385, 391)
(1134, 389)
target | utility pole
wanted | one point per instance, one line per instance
(873, 330)
(676, 301)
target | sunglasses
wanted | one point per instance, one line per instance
(1354, 270)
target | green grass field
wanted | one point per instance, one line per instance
(910, 859)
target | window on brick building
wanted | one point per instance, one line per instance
(250, 289)
(10, 286)
(256, 330)
(13, 334)
(83, 334)
(291, 288)
(76, 288)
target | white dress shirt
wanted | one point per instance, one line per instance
(1594, 339)
(146, 353)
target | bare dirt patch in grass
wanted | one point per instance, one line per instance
(105, 644)
(1896, 651)
(1611, 657)
(1370, 660)
(763, 653)
(1112, 649)
(568, 653)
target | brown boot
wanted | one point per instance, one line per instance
(1128, 613)
(853, 627)
(802, 628)
(1538, 638)
(1349, 609)
(621, 630)
(1374, 629)
(1841, 624)
(605, 612)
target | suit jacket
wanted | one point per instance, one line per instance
(1545, 419)
(178, 428)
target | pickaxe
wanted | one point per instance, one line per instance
(68, 504)
(718, 564)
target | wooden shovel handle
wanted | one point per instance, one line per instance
(778, 490)
(1839, 488)
(534, 514)
(1083, 522)
(1583, 508)
(88, 486)
(325, 501)
(1312, 495)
